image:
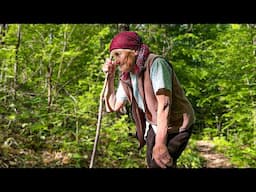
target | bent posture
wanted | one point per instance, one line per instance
(162, 113)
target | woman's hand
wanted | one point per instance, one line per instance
(109, 67)
(162, 156)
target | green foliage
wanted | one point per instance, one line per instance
(190, 158)
(242, 156)
(215, 64)
(116, 147)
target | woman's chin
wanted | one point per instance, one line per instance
(124, 70)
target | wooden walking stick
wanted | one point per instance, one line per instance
(99, 121)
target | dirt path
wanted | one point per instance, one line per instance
(213, 159)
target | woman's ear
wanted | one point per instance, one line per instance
(136, 52)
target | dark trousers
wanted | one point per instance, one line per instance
(176, 143)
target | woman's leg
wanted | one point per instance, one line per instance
(176, 143)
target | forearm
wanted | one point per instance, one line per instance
(162, 119)
(109, 95)
(160, 151)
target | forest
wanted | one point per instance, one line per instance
(51, 78)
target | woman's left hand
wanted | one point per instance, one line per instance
(162, 156)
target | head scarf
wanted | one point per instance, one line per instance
(131, 40)
(126, 40)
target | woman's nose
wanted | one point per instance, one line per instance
(116, 62)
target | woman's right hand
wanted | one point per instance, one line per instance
(109, 67)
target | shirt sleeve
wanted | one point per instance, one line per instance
(120, 94)
(161, 75)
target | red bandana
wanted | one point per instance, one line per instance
(126, 40)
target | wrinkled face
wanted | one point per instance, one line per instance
(125, 59)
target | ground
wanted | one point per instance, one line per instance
(213, 159)
(14, 155)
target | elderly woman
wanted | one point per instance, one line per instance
(162, 113)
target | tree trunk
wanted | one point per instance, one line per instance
(3, 29)
(15, 67)
(49, 80)
(3, 62)
(63, 51)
